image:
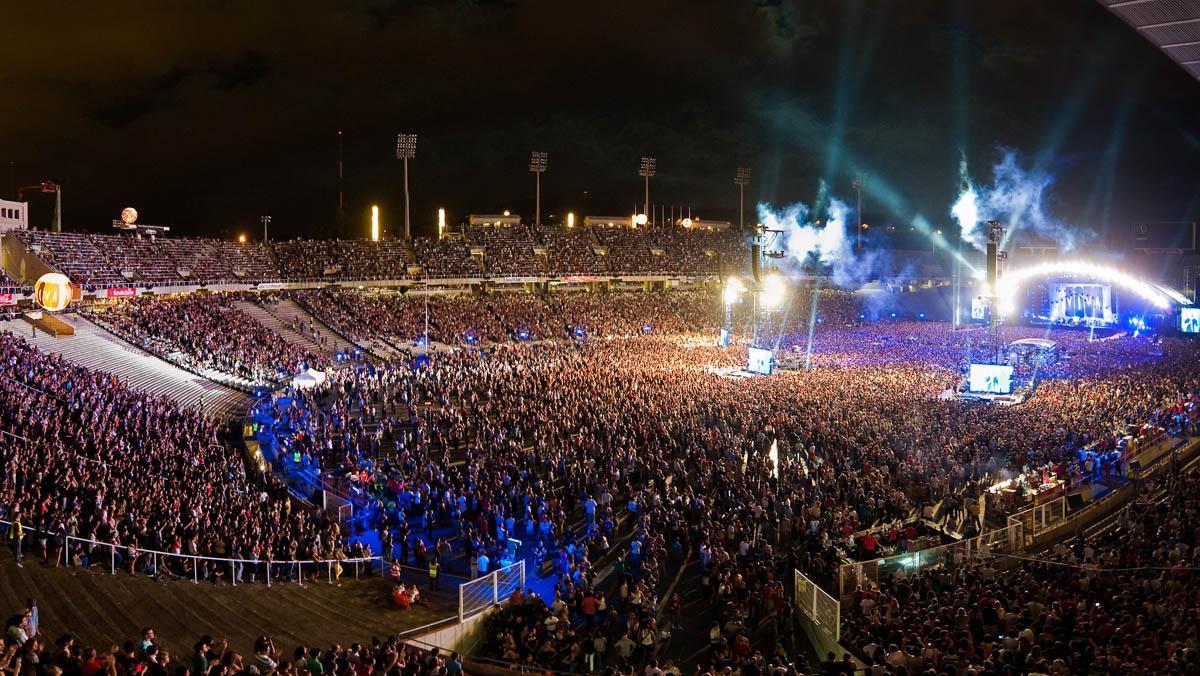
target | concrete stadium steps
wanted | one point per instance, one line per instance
(279, 325)
(94, 348)
(287, 309)
(101, 609)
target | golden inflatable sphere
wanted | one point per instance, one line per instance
(52, 292)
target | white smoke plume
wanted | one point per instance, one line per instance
(1018, 198)
(829, 243)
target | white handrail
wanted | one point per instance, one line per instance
(298, 564)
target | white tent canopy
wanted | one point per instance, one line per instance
(307, 379)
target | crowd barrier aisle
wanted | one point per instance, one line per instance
(1007, 540)
(489, 590)
(821, 612)
(237, 567)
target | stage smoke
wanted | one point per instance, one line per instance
(1018, 199)
(802, 240)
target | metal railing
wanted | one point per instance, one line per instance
(489, 590)
(1007, 540)
(293, 570)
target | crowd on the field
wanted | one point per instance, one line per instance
(206, 332)
(27, 651)
(614, 452)
(1121, 602)
(629, 452)
(84, 456)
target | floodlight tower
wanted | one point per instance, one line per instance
(860, 179)
(266, 222)
(537, 164)
(742, 179)
(647, 170)
(406, 149)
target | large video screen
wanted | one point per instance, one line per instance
(990, 378)
(759, 361)
(979, 309)
(1189, 319)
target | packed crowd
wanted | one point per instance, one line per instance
(87, 457)
(206, 332)
(26, 650)
(613, 453)
(1122, 602)
(633, 451)
(516, 316)
(96, 260)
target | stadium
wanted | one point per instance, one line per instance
(848, 430)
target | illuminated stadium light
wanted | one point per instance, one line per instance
(773, 291)
(640, 219)
(570, 219)
(374, 223)
(733, 290)
(1008, 286)
(441, 222)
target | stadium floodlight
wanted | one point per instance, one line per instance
(774, 289)
(570, 219)
(374, 223)
(406, 149)
(742, 179)
(646, 170)
(733, 290)
(441, 222)
(537, 164)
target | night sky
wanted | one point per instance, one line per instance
(205, 115)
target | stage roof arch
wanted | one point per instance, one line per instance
(1160, 296)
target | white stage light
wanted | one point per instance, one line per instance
(773, 291)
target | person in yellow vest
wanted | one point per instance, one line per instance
(16, 535)
(435, 570)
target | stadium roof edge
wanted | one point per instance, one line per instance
(1172, 25)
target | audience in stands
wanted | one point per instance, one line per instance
(30, 654)
(207, 332)
(85, 456)
(1122, 602)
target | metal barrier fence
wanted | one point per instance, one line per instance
(152, 562)
(1040, 518)
(820, 610)
(1007, 540)
(489, 590)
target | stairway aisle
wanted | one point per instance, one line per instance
(94, 348)
(279, 325)
(287, 311)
